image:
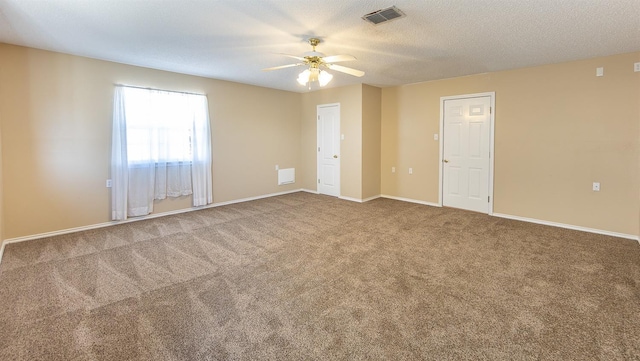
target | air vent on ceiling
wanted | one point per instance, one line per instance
(384, 15)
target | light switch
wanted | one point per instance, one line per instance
(435, 137)
(393, 169)
(600, 71)
(410, 170)
(341, 136)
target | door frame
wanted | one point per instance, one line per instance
(318, 142)
(492, 100)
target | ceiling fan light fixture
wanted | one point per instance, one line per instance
(310, 75)
(303, 78)
(313, 76)
(324, 78)
(316, 63)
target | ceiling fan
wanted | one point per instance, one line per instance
(317, 63)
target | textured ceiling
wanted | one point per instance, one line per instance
(234, 39)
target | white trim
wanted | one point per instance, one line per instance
(568, 226)
(2, 252)
(351, 199)
(151, 216)
(136, 219)
(492, 99)
(411, 200)
(492, 149)
(440, 152)
(371, 198)
(241, 200)
(319, 141)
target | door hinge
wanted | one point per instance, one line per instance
(318, 149)
(488, 199)
(318, 117)
(318, 180)
(490, 110)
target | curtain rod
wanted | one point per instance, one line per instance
(163, 90)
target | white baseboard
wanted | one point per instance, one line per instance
(568, 226)
(241, 200)
(532, 220)
(351, 199)
(156, 215)
(410, 200)
(371, 198)
(136, 219)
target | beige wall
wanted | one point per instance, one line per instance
(558, 129)
(1, 186)
(410, 117)
(360, 113)
(371, 118)
(56, 131)
(350, 99)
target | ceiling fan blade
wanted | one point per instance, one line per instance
(282, 67)
(338, 58)
(344, 69)
(292, 56)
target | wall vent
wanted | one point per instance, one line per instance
(384, 15)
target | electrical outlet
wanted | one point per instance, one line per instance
(596, 186)
(393, 169)
(636, 67)
(600, 71)
(410, 170)
(277, 167)
(109, 183)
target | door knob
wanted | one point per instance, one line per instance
(446, 161)
(335, 156)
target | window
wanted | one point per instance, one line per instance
(160, 147)
(159, 125)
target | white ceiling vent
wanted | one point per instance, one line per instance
(384, 15)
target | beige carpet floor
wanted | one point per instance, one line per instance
(309, 277)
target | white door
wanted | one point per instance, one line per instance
(329, 150)
(466, 162)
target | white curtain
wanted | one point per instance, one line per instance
(119, 163)
(201, 164)
(164, 140)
